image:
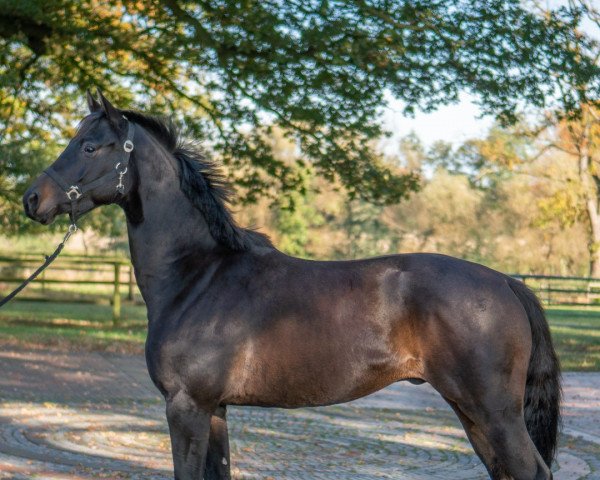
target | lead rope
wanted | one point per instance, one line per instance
(49, 260)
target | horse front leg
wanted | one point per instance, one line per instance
(189, 427)
(217, 460)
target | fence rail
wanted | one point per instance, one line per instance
(71, 277)
(556, 290)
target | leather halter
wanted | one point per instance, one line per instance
(75, 191)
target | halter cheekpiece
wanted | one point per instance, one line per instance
(75, 191)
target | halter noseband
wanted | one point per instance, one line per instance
(74, 192)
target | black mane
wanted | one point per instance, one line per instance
(203, 183)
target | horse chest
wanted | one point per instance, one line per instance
(191, 363)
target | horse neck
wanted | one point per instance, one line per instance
(163, 225)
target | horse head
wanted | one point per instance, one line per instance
(91, 171)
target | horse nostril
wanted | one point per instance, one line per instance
(32, 202)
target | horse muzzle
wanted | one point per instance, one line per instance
(39, 204)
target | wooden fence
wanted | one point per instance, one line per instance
(556, 290)
(71, 278)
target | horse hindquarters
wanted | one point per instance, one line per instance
(482, 370)
(524, 441)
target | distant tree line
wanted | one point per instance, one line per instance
(515, 199)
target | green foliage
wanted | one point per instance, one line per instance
(316, 69)
(366, 234)
(483, 160)
(442, 217)
(564, 207)
(412, 152)
(523, 215)
(293, 230)
(293, 221)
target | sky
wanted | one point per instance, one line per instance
(452, 123)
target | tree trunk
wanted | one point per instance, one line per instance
(591, 183)
(594, 240)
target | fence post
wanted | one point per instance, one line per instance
(131, 282)
(588, 290)
(116, 310)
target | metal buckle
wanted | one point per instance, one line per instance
(74, 189)
(117, 169)
(120, 186)
(128, 146)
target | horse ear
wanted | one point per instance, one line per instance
(113, 115)
(93, 104)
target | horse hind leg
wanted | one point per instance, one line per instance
(516, 452)
(501, 440)
(480, 444)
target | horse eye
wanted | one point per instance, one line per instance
(89, 149)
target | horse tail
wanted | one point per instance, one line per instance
(543, 387)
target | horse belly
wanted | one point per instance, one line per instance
(305, 369)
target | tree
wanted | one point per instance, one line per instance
(578, 138)
(575, 131)
(318, 69)
(496, 200)
(442, 217)
(484, 160)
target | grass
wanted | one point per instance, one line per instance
(576, 331)
(73, 326)
(576, 334)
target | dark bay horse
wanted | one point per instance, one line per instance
(233, 321)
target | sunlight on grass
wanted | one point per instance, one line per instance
(576, 334)
(72, 324)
